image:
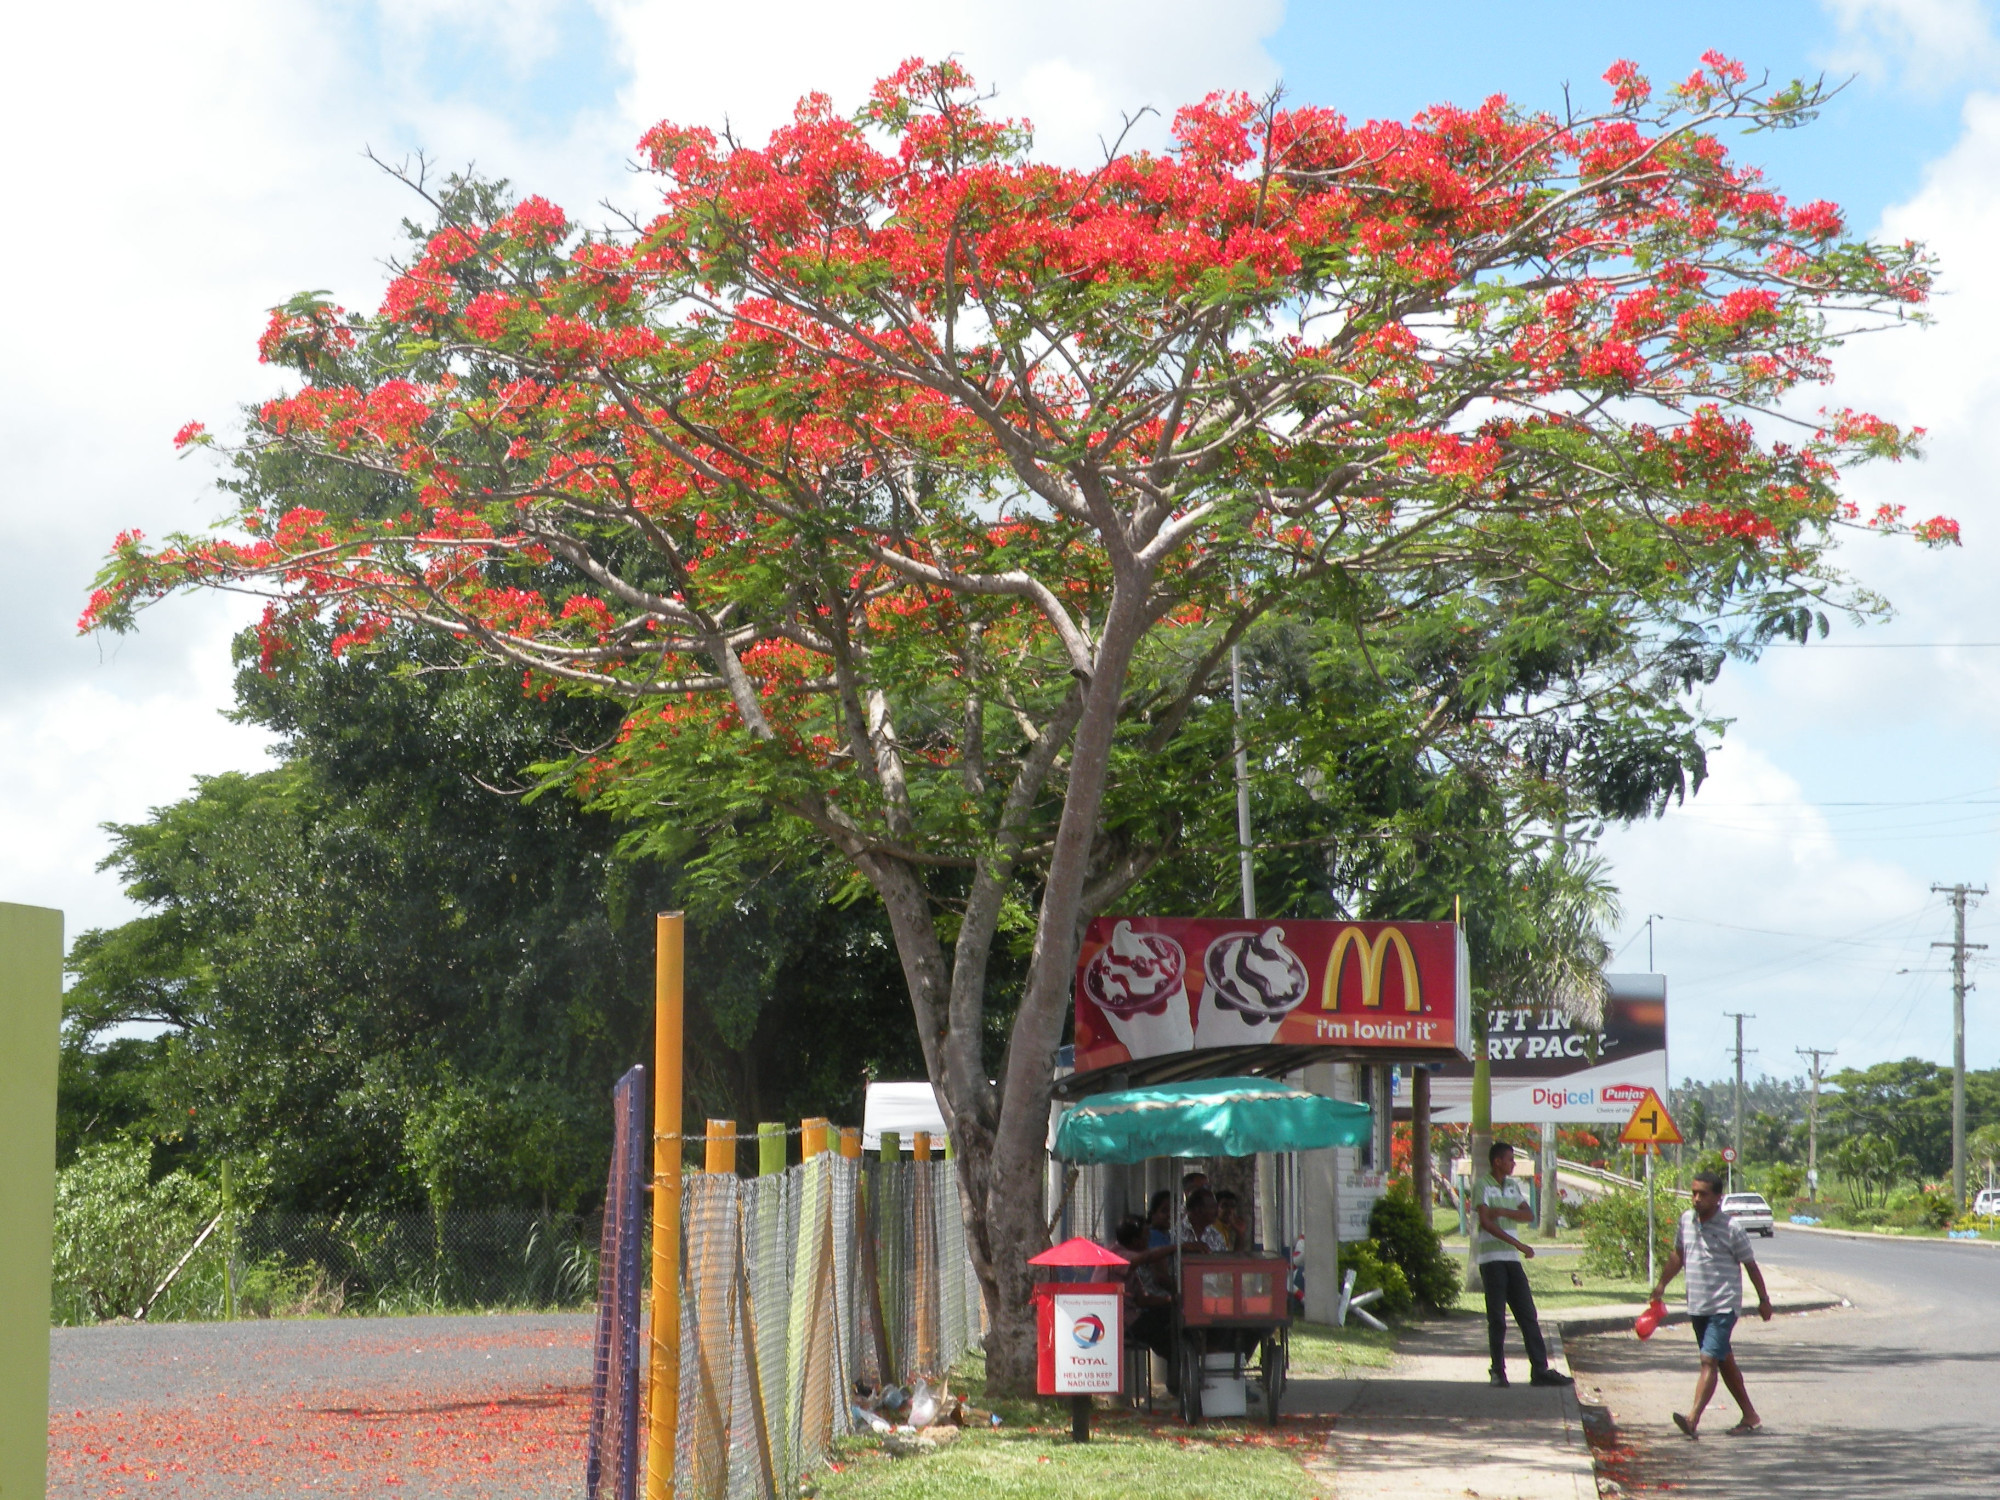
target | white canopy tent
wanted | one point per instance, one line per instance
(904, 1108)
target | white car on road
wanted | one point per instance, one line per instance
(1987, 1203)
(1750, 1211)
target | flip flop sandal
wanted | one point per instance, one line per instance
(1742, 1430)
(1687, 1428)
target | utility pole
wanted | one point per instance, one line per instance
(1812, 1115)
(1958, 946)
(1736, 1130)
(1246, 866)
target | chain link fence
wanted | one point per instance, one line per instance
(797, 1287)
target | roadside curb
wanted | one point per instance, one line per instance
(1614, 1322)
(1872, 1234)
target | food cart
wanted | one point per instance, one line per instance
(1231, 1310)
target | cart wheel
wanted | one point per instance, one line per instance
(1274, 1376)
(1191, 1374)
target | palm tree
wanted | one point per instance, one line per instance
(1982, 1150)
(1539, 943)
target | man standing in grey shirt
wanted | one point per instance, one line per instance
(1715, 1252)
(1498, 1255)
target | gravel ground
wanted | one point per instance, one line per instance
(415, 1407)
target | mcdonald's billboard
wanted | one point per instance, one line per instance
(1151, 986)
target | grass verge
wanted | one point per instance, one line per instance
(1322, 1352)
(1030, 1457)
(1560, 1281)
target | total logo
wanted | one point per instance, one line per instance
(1088, 1331)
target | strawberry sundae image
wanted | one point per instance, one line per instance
(1254, 982)
(1137, 980)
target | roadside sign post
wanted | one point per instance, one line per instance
(1651, 1237)
(1650, 1128)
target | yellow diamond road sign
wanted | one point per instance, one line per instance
(1650, 1125)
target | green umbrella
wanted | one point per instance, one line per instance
(1207, 1117)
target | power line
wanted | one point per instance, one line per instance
(1816, 937)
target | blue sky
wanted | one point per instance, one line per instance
(184, 169)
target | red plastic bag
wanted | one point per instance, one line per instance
(1648, 1320)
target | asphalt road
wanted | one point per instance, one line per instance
(1898, 1393)
(421, 1408)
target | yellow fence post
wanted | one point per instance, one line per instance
(721, 1147)
(850, 1142)
(920, 1145)
(812, 1136)
(663, 1407)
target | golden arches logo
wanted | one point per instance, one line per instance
(1374, 958)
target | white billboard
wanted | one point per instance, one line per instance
(1547, 1070)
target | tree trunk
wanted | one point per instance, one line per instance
(1016, 1227)
(1551, 1200)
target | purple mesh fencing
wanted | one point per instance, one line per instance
(613, 1454)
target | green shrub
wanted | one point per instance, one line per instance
(117, 1232)
(1921, 1208)
(1614, 1233)
(1372, 1270)
(1782, 1180)
(1406, 1240)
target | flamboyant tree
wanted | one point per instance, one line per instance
(909, 490)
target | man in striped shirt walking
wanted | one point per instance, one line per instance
(1715, 1252)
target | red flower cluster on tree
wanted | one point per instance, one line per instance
(881, 458)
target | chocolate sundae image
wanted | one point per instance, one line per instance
(1253, 982)
(1138, 980)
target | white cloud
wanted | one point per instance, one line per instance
(1770, 909)
(1074, 70)
(1778, 850)
(1930, 43)
(175, 170)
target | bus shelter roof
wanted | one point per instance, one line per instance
(1206, 1117)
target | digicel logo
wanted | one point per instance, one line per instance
(1622, 1093)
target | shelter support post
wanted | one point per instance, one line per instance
(1319, 1182)
(1382, 1096)
(1420, 1138)
(1268, 1234)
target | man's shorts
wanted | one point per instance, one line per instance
(1712, 1331)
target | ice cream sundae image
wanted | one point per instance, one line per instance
(1254, 982)
(1137, 980)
